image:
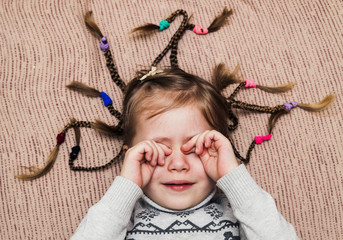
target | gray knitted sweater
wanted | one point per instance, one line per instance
(242, 211)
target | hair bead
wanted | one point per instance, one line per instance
(260, 139)
(104, 44)
(250, 83)
(107, 100)
(200, 30)
(164, 24)
(60, 138)
(290, 105)
(74, 152)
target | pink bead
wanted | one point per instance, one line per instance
(250, 83)
(260, 139)
(199, 30)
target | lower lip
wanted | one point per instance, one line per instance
(178, 187)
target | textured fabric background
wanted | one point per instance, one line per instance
(44, 45)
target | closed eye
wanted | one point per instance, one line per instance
(190, 151)
(163, 142)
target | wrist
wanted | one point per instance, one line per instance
(231, 165)
(131, 175)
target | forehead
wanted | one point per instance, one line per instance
(177, 124)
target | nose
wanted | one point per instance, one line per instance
(177, 161)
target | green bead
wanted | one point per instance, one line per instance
(164, 24)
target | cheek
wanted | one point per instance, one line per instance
(199, 171)
(158, 173)
(196, 164)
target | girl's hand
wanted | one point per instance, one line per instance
(141, 160)
(215, 152)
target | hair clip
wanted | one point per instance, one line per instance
(153, 71)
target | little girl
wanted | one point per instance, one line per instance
(180, 178)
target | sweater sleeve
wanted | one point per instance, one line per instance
(108, 219)
(254, 208)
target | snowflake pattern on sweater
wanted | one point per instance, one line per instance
(211, 218)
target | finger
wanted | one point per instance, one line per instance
(200, 143)
(152, 155)
(216, 140)
(167, 150)
(192, 150)
(159, 153)
(209, 138)
(188, 146)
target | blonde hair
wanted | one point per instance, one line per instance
(169, 90)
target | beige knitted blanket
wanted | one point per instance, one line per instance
(44, 45)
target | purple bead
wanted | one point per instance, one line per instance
(104, 44)
(290, 105)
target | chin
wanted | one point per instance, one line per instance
(180, 205)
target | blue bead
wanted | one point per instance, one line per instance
(107, 100)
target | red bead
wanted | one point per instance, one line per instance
(60, 138)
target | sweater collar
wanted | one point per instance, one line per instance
(201, 204)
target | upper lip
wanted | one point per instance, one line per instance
(178, 182)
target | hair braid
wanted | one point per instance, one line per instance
(238, 155)
(174, 40)
(235, 92)
(221, 76)
(113, 71)
(255, 108)
(90, 23)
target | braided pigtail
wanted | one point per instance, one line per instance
(276, 112)
(92, 92)
(90, 23)
(97, 125)
(238, 155)
(223, 77)
(185, 25)
(310, 107)
(164, 24)
(36, 172)
(216, 24)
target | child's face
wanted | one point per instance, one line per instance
(182, 182)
